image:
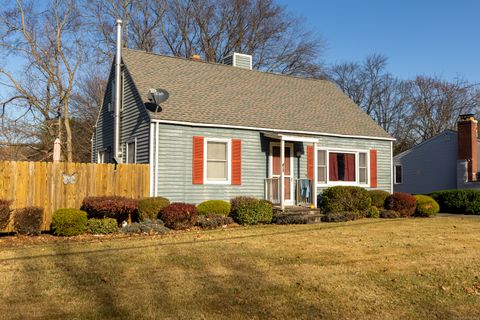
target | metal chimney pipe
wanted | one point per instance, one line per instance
(117, 157)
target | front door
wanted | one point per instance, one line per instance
(276, 169)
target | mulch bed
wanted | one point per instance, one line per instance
(12, 240)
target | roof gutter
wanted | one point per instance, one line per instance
(193, 124)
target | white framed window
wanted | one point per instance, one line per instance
(322, 166)
(398, 174)
(342, 167)
(362, 168)
(103, 156)
(131, 151)
(217, 164)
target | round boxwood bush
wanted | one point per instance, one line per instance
(345, 199)
(101, 226)
(426, 206)
(378, 197)
(69, 222)
(179, 215)
(248, 210)
(149, 208)
(218, 207)
(373, 212)
(403, 203)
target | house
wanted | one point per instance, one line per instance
(226, 130)
(446, 161)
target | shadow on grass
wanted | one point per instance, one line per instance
(224, 280)
(200, 241)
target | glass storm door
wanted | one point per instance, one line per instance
(276, 171)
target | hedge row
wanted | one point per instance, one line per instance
(344, 203)
(458, 201)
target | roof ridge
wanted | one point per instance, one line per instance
(326, 81)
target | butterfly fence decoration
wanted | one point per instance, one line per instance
(70, 178)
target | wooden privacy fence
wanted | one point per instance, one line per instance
(64, 185)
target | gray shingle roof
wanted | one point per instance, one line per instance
(210, 93)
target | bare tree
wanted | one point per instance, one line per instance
(86, 101)
(437, 103)
(44, 41)
(412, 111)
(141, 23)
(214, 29)
(365, 82)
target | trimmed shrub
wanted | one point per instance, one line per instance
(390, 214)
(403, 203)
(373, 212)
(426, 206)
(28, 220)
(146, 226)
(212, 221)
(378, 197)
(341, 216)
(5, 213)
(149, 208)
(458, 201)
(247, 210)
(69, 222)
(179, 215)
(218, 207)
(289, 219)
(101, 226)
(119, 208)
(342, 199)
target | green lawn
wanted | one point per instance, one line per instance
(367, 269)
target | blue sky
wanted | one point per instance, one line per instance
(419, 37)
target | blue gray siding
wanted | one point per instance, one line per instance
(103, 134)
(175, 162)
(134, 122)
(430, 166)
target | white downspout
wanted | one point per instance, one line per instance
(315, 173)
(118, 60)
(157, 137)
(392, 173)
(152, 157)
(282, 174)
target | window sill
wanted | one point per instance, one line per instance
(342, 183)
(217, 182)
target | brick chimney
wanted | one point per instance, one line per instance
(467, 143)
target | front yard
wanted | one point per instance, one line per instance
(366, 269)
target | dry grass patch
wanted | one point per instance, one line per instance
(367, 269)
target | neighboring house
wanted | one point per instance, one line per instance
(226, 130)
(446, 161)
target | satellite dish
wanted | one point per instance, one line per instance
(157, 96)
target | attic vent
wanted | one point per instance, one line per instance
(239, 60)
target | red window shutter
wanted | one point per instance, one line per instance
(236, 161)
(310, 162)
(197, 160)
(373, 168)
